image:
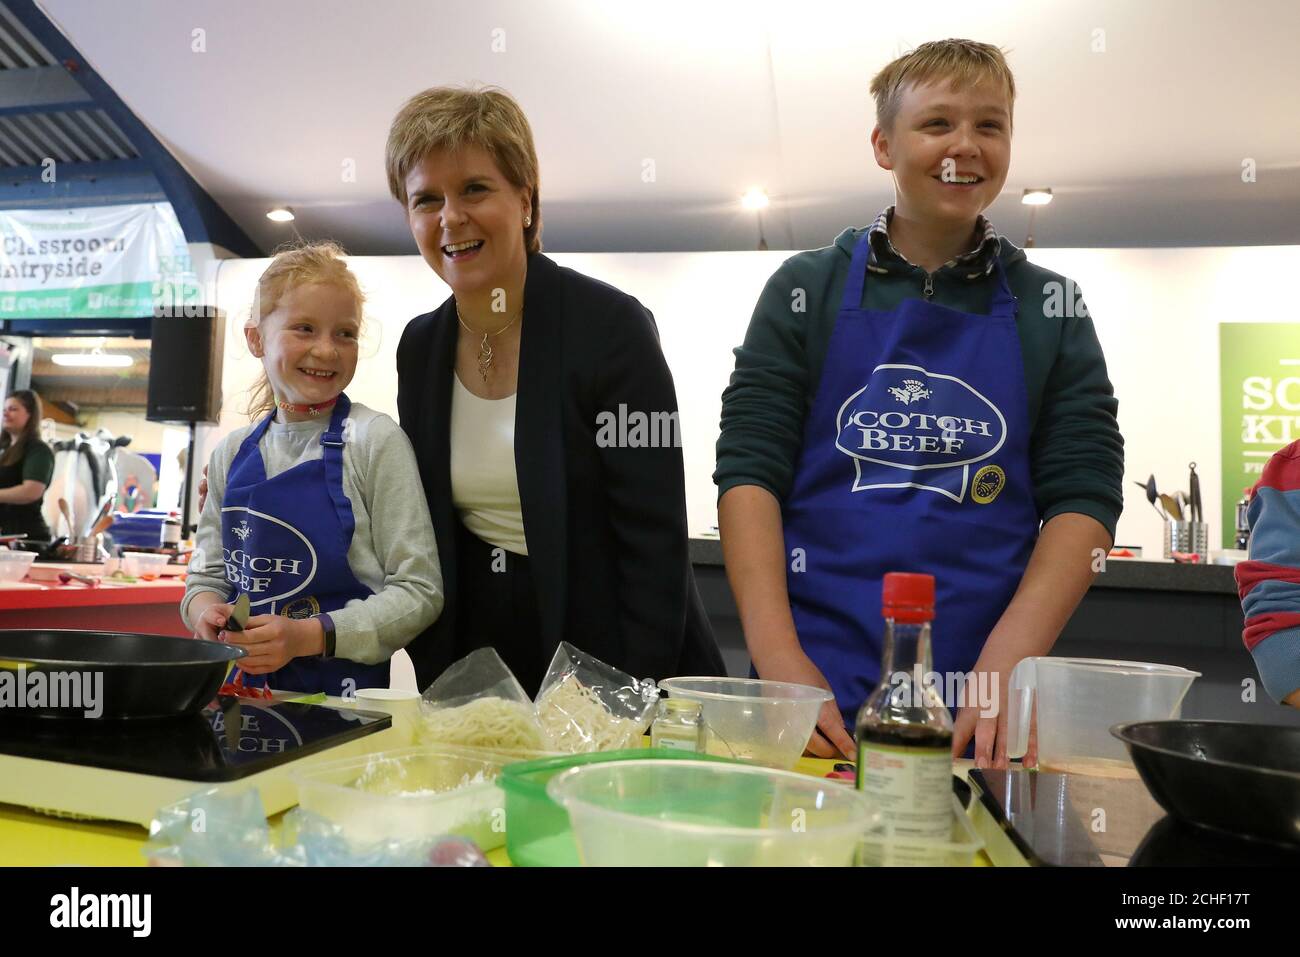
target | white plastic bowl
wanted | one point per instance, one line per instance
(708, 814)
(138, 564)
(409, 794)
(764, 722)
(14, 566)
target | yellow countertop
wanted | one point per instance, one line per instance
(28, 838)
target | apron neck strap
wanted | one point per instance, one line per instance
(1004, 304)
(858, 271)
(332, 441)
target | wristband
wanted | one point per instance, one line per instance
(327, 623)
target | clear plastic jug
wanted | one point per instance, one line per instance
(1079, 699)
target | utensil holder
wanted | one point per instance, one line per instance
(1187, 537)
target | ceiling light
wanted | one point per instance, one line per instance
(754, 199)
(281, 214)
(97, 360)
(1036, 197)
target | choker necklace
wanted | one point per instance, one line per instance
(485, 347)
(316, 409)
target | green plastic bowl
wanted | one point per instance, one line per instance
(538, 833)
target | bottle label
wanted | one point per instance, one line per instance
(911, 787)
(678, 744)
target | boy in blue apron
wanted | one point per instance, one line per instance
(316, 511)
(918, 397)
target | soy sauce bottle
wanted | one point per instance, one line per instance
(904, 731)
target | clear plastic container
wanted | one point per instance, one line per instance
(1077, 700)
(538, 831)
(410, 793)
(762, 722)
(709, 814)
(144, 564)
(14, 566)
(879, 848)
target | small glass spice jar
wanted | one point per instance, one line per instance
(678, 726)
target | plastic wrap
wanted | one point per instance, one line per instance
(478, 703)
(214, 829)
(587, 705)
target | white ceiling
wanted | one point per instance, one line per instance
(1142, 144)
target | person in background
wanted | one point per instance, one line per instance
(918, 397)
(315, 511)
(549, 529)
(1269, 581)
(26, 468)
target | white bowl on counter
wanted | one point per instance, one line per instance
(14, 566)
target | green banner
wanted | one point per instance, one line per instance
(89, 302)
(1259, 378)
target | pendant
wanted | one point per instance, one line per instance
(484, 358)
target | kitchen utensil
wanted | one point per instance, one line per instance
(68, 577)
(11, 539)
(686, 813)
(103, 525)
(538, 830)
(763, 722)
(409, 794)
(14, 566)
(67, 515)
(1194, 490)
(1078, 699)
(1182, 499)
(1150, 488)
(1187, 538)
(144, 564)
(102, 511)
(1224, 775)
(239, 613)
(136, 676)
(1170, 505)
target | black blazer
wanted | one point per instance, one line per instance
(606, 527)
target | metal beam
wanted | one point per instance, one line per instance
(201, 219)
(41, 89)
(107, 183)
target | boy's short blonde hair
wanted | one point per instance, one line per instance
(446, 119)
(292, 265)
(963, 63)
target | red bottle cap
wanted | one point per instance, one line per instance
(908, 597)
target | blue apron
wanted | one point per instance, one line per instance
(915, 458)
(285, 543)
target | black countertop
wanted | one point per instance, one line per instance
(1126, 573)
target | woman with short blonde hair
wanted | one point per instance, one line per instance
(546, 533)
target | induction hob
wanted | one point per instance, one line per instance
(1074, 820)
(125, 770)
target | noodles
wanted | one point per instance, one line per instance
(577, 720)
(493, 723)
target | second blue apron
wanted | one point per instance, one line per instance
(915, 458)
(285, 543)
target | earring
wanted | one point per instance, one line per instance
(528, 221)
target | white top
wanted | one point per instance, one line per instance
(484, 483)
(393, 550)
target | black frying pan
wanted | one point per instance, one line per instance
(118, 675)
(1228, 776)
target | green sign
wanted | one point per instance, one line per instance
(95, 262)
(1259, 375)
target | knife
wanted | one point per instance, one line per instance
(239, 613)
(1194, 490)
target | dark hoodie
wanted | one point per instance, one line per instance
(1076, 451)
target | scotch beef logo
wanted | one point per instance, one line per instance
(912, 428)
(265, 557)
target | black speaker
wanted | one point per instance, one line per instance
(185, 367)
